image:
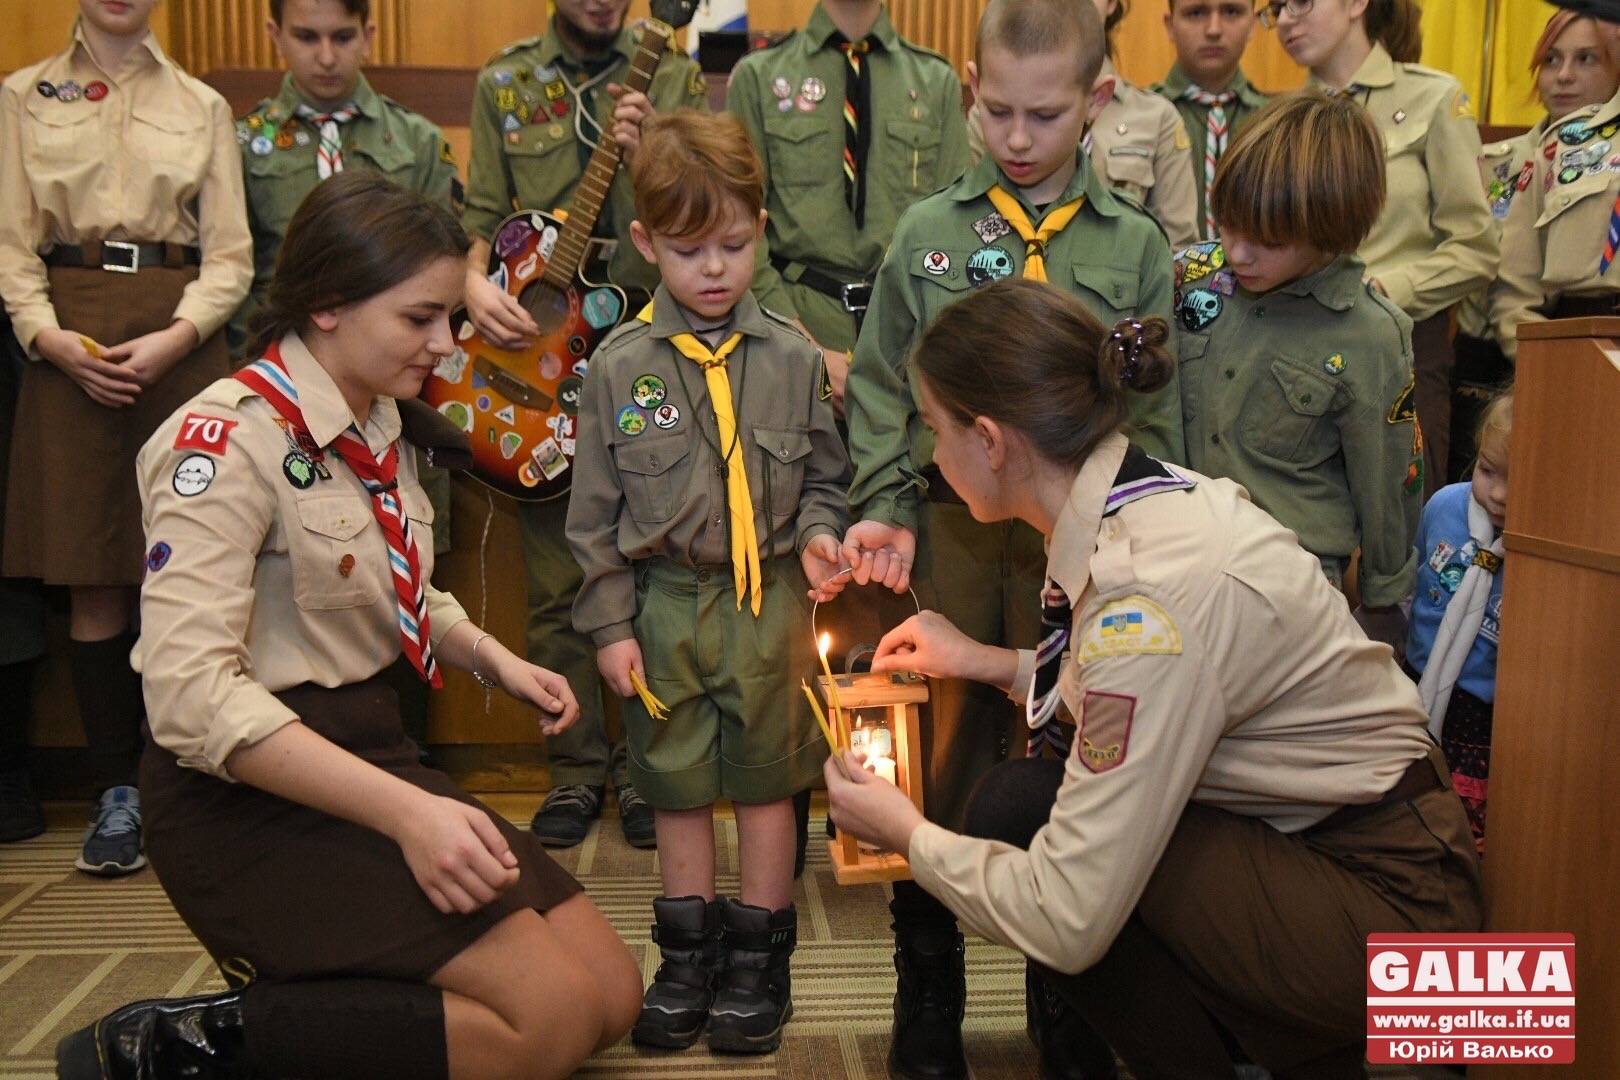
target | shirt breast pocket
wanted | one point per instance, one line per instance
(419, 509)
(543, 164)
(1285, 414)
(655, 475)
(1403, 162)
(174, 141)
(912, 152)
(1111, 292)
(59, 133)
(782, 454)
(1569, 209)
(800, 151)
(1130, 169)
(943, 274)
(331, 559)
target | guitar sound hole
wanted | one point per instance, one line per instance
(547, 304)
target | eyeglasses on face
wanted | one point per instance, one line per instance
(1270, 13)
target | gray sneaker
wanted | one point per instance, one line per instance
(566, 815)
(112, 843)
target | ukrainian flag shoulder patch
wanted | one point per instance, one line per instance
(1129, 626)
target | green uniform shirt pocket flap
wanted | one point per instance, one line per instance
(340, 517)
(281, 163)
(652, 457)
(1564, 196)
(386, 151)
(916, 136)
(1306, 392)
(945, 267)
(537, 140)
(1119, 288)
(786, 446)
(795, 129)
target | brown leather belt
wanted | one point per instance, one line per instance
(1420, 778)
(121, 257)
(939, 489)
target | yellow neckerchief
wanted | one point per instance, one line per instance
(739, 503)
(1033, 238)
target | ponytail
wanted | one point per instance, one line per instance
(1397, 25)
(1033, 358)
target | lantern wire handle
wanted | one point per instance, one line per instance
(815, 633)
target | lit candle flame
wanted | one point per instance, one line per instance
(824, 644)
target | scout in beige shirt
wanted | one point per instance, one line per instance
(342, 885)
(1250, 788)
(124, 247)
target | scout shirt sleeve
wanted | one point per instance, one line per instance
(823, 506)
(975, 135)
(1154, 421)
(877, 402)
(696, 87)
(444, 612)
(1517, 294)
(227, 245)
(23, 281)
(1174, 199)
(1063, 901)
(489, 174)
(1466, 251)
(743, 98)
(606, 601)
(202, 700)
(1377, 434)
(436, 174)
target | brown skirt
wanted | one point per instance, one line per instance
(283, 891)
(73, 510)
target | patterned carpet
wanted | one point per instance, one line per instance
(73, 947)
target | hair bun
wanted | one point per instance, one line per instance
(1134, 346)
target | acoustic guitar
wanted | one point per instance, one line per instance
(519, 407)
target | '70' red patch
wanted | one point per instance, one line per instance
(210, 434)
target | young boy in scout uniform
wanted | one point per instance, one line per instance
(325, 119)
(710, 490)
(1035, 206)
(1206, 84)
(541, 106)
(1296, 373)
(854, 124)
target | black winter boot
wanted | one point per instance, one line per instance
(755, 999)
(1070, 1049)
(930, 1000)
(198, 1037)
(676, 1005)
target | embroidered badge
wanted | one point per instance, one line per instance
(648, 391)
(1127, 627)
(824, 386)
(158, 557)
(988, 264)
(1573, 133)
(1525, 175)
(1199, 308)
(991, 227)
(193, 475)
(1461, 106)
(1105, 730)
(1334, 364)
(632, 421)
(937, 263)
(299, 471)
(1200, 261)
(695, 86)
(210, 434)
(666, 416)
(1442, 552)
(1403, 409)
(1223, 282)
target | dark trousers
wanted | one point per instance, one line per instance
(1253, 936)
(1432, 361)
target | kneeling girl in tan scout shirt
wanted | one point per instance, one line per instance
(1296, 375)
(1250, 789)
(384, 923)
(1435, 242)
(709, 490)
(123, 250)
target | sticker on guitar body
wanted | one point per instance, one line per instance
(548, 458)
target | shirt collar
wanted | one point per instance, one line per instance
(1609, 110)
(148, 44)
(1335, 286)
(326, 414)
(987, 174)
(1177, 82)
(820, 29)
(553, 49)
(667, 320)
(1378, 70)
(364, 98)
(1074, 536)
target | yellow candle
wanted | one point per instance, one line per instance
(821, 719)
(832, 684)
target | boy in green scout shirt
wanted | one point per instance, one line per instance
(1035, 206)
(540, 107)
(325, 119)
(846, 83)
(1206, 84)
(709, 493)
(1296, 372)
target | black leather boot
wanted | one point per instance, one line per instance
(929, 1002)
(1070, 1049)
(675, 1009)
(199, 1038)
(755, 998)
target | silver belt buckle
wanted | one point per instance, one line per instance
(134, 251)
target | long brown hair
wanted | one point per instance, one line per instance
(1397, 25)
(354, 236)
(1031, 357)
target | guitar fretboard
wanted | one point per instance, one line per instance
(593, 186)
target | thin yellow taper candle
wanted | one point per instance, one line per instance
(832, 684)
(821, 718)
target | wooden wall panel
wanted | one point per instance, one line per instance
(209, 34)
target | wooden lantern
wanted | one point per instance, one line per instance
(877, 714)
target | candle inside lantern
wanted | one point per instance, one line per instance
(877, 743)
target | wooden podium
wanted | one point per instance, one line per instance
(1553, 832)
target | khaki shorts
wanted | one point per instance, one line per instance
(738, 725)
